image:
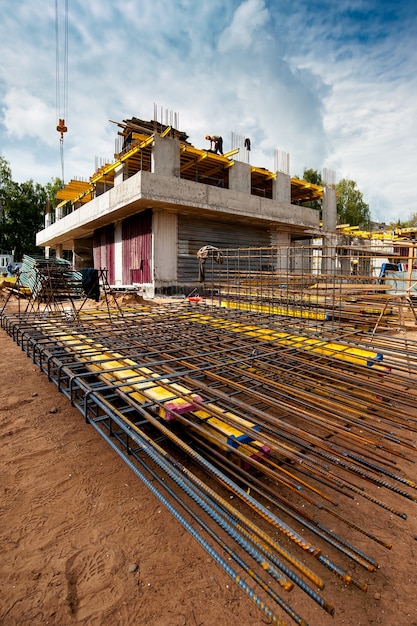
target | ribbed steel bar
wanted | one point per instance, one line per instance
(206, 368)
(304, 416)
(351, 284)
(295, 513)
(214, 374)
(341, 461)
(146, 445)
(208, 508)
(216, 500)
(271, 615)
(167, 432)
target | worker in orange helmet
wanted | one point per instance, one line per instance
(216, 143)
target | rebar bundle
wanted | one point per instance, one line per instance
(49, 279)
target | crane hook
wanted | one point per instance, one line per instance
(61, 128)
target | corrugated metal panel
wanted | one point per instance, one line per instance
(195, 232)
(110, 252)
(103, 250)
(137, 248)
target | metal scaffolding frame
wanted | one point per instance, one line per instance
(326, 285)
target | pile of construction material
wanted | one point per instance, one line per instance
(48, 279)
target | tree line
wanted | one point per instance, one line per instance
(22, 210)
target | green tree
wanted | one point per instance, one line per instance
(312, 176)
(54, 185)
(351, 207)
(5, 182)
(411, 222)
(22, 212)
(24, 208)
(5, 173)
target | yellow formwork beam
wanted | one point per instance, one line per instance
(112, 366)
(274, 310)
(111, 166)
(138, 382)
(357, 356)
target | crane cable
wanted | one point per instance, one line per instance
(61, 103)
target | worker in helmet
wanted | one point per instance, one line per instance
(216, 143)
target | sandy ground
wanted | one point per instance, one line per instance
(83, 541)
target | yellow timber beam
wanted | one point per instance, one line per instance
(145, 385)
(127, 155)
(334, 350)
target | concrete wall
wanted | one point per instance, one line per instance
(165, 246)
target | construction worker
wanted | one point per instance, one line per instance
(216, 143)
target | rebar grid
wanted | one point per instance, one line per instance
(292, 422)
(325, 285)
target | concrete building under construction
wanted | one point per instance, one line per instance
(144, 216)
(286, 389)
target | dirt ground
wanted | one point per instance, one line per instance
(83, 541)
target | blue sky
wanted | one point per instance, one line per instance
(333, 83)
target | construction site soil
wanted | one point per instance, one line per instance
(83, 541)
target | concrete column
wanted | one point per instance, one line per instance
(240, 177)
(58, 250)
(118, 254)
(101, 188)
(281, 188)
(329, 219)
(329, 212)
(119, 174)
(165, 241)
(166, 156)
(328, 263)
(281, 241)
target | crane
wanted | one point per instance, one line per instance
(61, 86)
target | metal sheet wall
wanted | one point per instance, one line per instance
(196, 232)
(103, 250)
(137, 248)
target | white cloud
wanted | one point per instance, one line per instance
(26, 116)
(249, 17)
(305, 77)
